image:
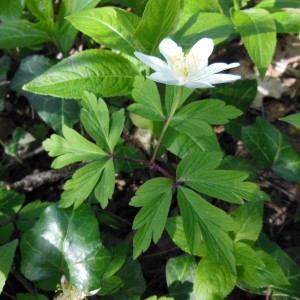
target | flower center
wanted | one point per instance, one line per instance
(184, 66)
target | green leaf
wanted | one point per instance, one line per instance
(147, 98)
(194, 117)
(7, 253)
(293, 119)
(103, 73)
(154, 197)
(106, 184)
(116, 128)
(279, 3)
(174, 227)
(65, 241)
(197, 170)
(71, 148)
(250, 218)
(258, 279)
(240, 93)
(287, 21)
(110, 285)
(194, 26)
(289, 267)
(65, 33)
(109, 26)
(42, 9)
(10, 10)
(212, 280)
(54, 111)
(270, 148)
(21, 34)
(29, 214)
(246, 256)
(258, 31)
(180, 273)
(182, 144)
(158, 19)
(94, 116)
(94, 175)
(201, 219)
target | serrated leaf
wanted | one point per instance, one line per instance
(7, 253)
(174, 227)
(260, 279)
(21, 33)
(200, 217)
(246, 256)
(258, 31)
(180, 273)
(270, 148)
(70, 148)
(212, 111)
(79, 187)
(223, 184)
(154, 197)
(158, 19)
(148, 103)
(116, 128)
(182, 144)
(250, 218)
(293, 119)
(10, 10)
(54, 111)
(106, 184)
(212, 280)
(65, 241)
(109, 26)
(289, 267)
(103, 73)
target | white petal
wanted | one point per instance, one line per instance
(164, 77)
(220, 78)
(203, 48)
(168, 48)
(153, 62)
(198, 84)
(219, 67)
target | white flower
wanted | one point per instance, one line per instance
(190, 70)
(69, 292)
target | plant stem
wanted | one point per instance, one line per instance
(167, 122)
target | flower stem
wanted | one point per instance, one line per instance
(167, 122)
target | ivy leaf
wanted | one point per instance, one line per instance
(71, 148)
(65, 242)
(21, 33)
(250, 218)
(180, 273)
(258, 31)
(148, 103)
(103, 73)
(85, 179)
(201, 218)
(212, 280)
(158, 19)
(154, 197)
(270, 148)
(109, 26)
(197, 170)
(54, 111)
(7, 253)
